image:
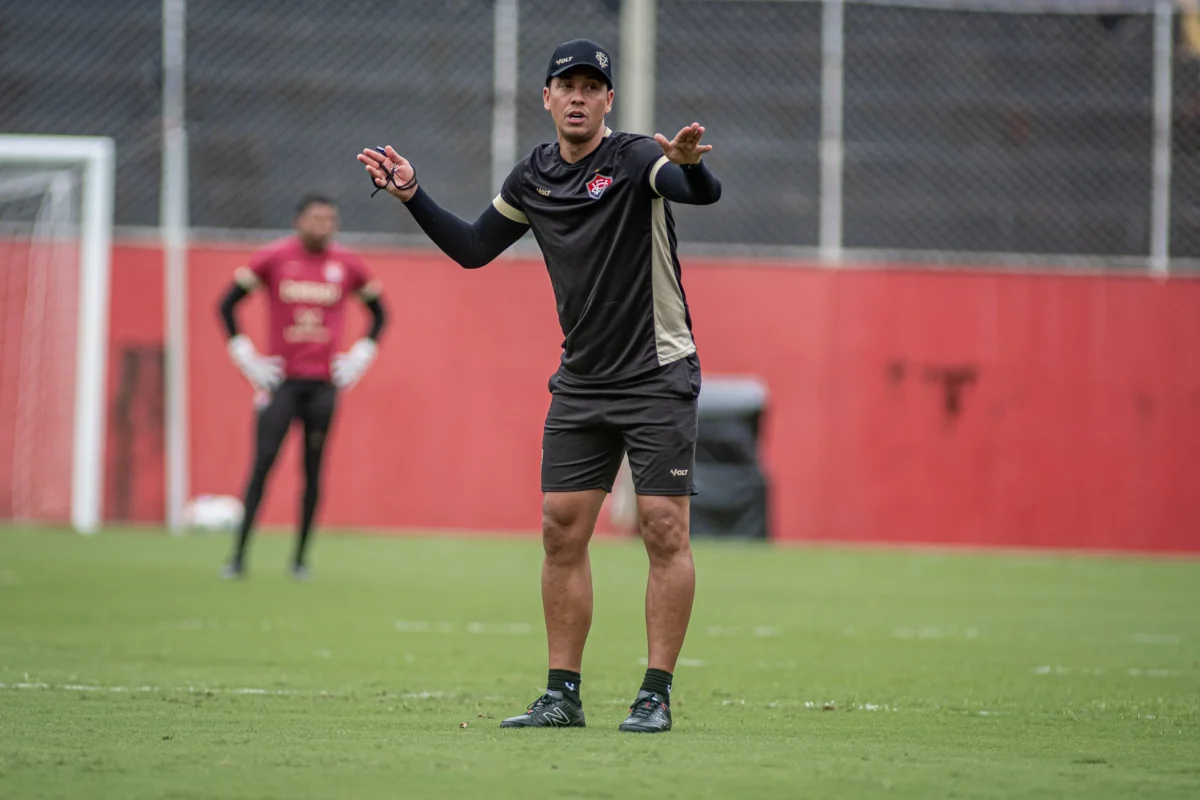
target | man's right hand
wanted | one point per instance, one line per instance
(380, 165)
(263, 372)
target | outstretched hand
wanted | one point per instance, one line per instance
(685, 148)
(389, 162)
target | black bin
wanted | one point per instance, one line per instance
(732, 485)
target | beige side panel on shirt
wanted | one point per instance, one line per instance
(672, 338)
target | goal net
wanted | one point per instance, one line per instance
(55, 234)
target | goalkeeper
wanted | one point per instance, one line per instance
(307, 278)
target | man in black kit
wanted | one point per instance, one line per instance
(598, 203)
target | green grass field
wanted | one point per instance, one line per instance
(128, 670)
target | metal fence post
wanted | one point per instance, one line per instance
(832, 145)
(173, 229)
(504, 90)
(1160, 208)
(637, 71)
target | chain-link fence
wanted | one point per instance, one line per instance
(283, 93)
(73, 67)
(997, 131)
(962, 126)
(1185, 141)
(751, 73)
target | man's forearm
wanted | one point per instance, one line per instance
(470, 245)
(378, 317)
(228, 302)
(694, 184)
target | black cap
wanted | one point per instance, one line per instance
(580, 53)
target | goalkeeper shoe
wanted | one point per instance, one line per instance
(648, 714)
(551, 710)
(232, 571)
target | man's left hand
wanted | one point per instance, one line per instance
(348, 368)
(685, 148)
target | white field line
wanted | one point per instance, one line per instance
(486, 628)
(931, 632)
(683, 662)
(526, 628)
(80, 687)
(1168, 639)
(1133, 672)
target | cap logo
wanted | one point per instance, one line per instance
(601, 59)
(562, 61)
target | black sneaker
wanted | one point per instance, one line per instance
(648, 714)
(551, 710)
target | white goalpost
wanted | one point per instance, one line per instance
(56, 220)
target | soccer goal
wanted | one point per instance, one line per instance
(56, 218)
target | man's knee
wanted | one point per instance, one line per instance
(566, 528)
(664, 527)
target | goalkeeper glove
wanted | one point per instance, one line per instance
(263, 372)
(349, 367)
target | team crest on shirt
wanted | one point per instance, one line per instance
(334, 272)
(597, 185)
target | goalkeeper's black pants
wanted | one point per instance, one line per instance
(313, 403)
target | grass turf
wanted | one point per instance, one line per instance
(130, 671)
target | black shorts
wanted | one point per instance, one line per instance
(652, 418)
(313, 402)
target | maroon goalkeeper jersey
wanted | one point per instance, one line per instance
(306, 300)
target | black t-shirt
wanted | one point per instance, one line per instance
(609, 243)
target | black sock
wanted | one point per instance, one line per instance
(567, 682)
(658, 682)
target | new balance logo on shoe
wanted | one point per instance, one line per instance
(557, 718)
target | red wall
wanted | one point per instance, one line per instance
(914, 406)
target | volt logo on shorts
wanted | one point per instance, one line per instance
(679, 473)
(597, 185)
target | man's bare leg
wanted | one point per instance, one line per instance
(672, 583)
(670, 590)
(568, 519)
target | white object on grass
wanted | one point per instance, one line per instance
(213, 512)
